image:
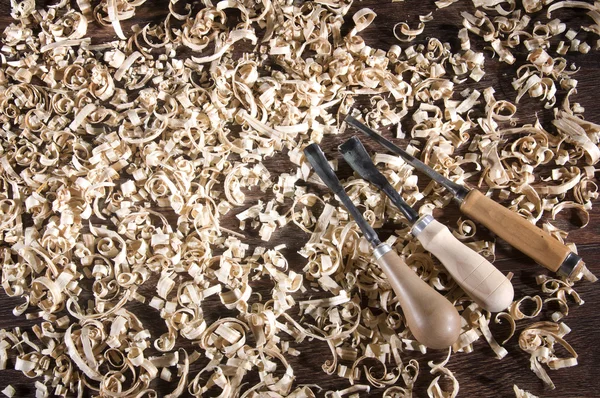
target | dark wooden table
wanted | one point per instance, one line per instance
(480, 374)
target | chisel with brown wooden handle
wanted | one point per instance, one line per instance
(432, 319)
(514, 229)
(483, 282)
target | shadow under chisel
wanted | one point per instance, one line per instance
(483, 282)
(510, 226)
(432, 319)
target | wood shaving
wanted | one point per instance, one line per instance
(522, 393)
(539, 340)
(9, 391)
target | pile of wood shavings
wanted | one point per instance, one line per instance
(100, 141)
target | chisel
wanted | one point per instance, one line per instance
(432, 319)
(514, 229)
(487, 286)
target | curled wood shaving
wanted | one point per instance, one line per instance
(434, 390)
(515, 308)
(539, 340)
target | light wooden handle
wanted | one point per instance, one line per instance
(516, 230)
(487, 286)
(431, 318)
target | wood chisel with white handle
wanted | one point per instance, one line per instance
(432, 319)
(514, 229)
(483, 282)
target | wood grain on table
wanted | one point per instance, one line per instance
(480, 374)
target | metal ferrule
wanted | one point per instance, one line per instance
(460, 194)
(420, 225)
(381, 250)
(571, 265)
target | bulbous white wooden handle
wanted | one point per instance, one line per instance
(431, 318)
(486, 285)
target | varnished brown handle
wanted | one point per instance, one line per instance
(516, 230)
(487, 286)
(431, 318)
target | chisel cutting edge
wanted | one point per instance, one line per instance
(431, 318)
(514, 229)
(474, 274)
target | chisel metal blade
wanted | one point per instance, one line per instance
(357, 157)
(317, 159)
(455, 189)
